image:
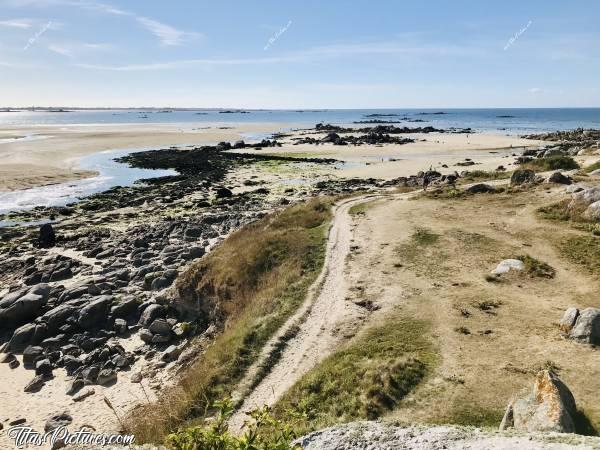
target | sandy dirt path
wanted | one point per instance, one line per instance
(319, 319)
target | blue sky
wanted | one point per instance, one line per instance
(300, 54)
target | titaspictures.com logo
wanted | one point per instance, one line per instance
(27, 437)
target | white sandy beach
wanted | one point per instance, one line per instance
(487, 150)
(36, 408)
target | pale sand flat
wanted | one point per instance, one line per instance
(53, 159)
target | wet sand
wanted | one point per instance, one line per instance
(42, 155)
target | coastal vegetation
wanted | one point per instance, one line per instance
(556, 162)
(535, 268)
(257, 278)
(367, 378)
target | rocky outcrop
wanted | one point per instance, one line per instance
(507, 265)
(581, 325)
(550, 406)
(522, 176)
(571, 141)
(480, 188)
(47, 237)
(23, 305)
(388, 436)
(559, 178)
(587, 202)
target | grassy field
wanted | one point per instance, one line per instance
(367, 378)
(254, 280)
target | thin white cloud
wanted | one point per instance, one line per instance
(100, 47)
(308, 55)
(169, 65)
(23, 24)
(535, 90)
(64, 51)
(12, 65)
(71, 49)
(166, 34)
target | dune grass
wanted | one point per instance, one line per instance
(556, 162)
(249, 285)
(484, 175)
(367, 378)
(592, 167)
(583, 251)
(560, 211)
(536, 268)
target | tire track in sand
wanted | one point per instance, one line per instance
(323, 311)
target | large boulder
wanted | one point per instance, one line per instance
(559, 178)
(46, 238)
(160, 326)
(223, 192)
(152, 312)
(124, 308)
(586, 328)
(19, 307)
(507, 265)
(568, 320)
(585, 197)
(481, 188)
(94, 313)
(58, 316)
(592, 212)
(522, 176)
(550, 407)
(22, 337)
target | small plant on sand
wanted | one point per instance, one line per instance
(445, 194)
(555, 211)
(491, 278)
(536, 268)
(583, 250)
(423, 236)
(263, 432)
(488, 306)
(462, 330)
(565, 211)
(483, 175)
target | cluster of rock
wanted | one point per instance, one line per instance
(581, 325)
(571, 142)
(383, 128)
(71, 311)
(222, 146)
(585, 201)
(525, 177)
(105, 275)
(425, 178)
(371, 138)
